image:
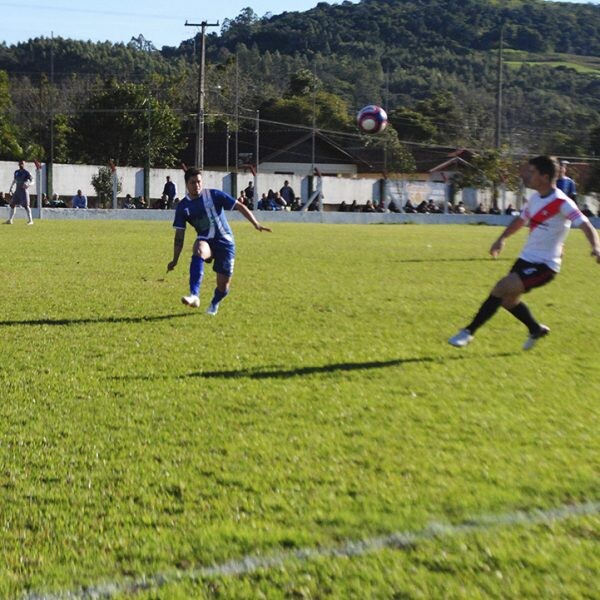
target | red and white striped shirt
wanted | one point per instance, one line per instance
(549, 219)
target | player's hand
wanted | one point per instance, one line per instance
(497, 247)
(171, 265)
(260, 227)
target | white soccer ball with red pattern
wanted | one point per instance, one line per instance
(372, 119)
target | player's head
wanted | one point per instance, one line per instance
(192, 172)
(546, 167)
(21, 164)
(563, 167)
(193, 181)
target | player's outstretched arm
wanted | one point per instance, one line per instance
(177, 248)
(512, 228)
(592, 236)
(248, 214)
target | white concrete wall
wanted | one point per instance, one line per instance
(67, 179)
(337, 218)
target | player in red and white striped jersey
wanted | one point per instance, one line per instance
(549, 214)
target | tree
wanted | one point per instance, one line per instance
(102, 182)
(594, 182)
(9, 145)
(123, 122)
(489, 170)
(412, 126)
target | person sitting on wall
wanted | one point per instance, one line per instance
(460, 208)
(409, 207)
(79, 200)
(129, 203)
(422, 208)
(56, 202)
(369, 207)
(381, 207)
(432, 207)
(265, 203)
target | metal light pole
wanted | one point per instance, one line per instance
(200, 109)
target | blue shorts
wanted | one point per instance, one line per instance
(223, 256)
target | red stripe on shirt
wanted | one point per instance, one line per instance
(547, 212)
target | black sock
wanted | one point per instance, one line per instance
(521, 311)
(487, 310)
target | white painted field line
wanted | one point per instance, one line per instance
(248, 564)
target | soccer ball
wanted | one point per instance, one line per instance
(372, 119)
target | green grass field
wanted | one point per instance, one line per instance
(140, 438)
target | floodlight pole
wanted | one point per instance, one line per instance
(200, 112)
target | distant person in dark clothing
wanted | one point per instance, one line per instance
(249, 191)
(287, 193)
(170, 191)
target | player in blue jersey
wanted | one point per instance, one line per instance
(566, 184)
(204, 210)
(22, 180)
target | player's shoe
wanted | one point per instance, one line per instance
(531, 341)
(461, 339)
(29, 222)
(7, 222)
(191, 301)
(212, 310)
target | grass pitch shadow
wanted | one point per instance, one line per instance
(92, 320)
(266, 373)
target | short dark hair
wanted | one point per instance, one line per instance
(192, 172)
(546, 165)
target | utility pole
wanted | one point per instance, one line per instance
(256, 198)
(499, 91)
(50, 166)
(200, 110)
(237, 113)
(314, 117)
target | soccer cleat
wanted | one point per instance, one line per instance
(531, 341)
(461, 339)
(9, 222)
(191, 301)
(29, 222)
(212, 310)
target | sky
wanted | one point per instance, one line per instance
(160, 22)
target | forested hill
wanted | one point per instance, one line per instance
(432, 63)
(404, 26)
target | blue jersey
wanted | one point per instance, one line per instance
(22, 176)
(206, 214)
(566, 185)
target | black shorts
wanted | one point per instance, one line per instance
(533, 275)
